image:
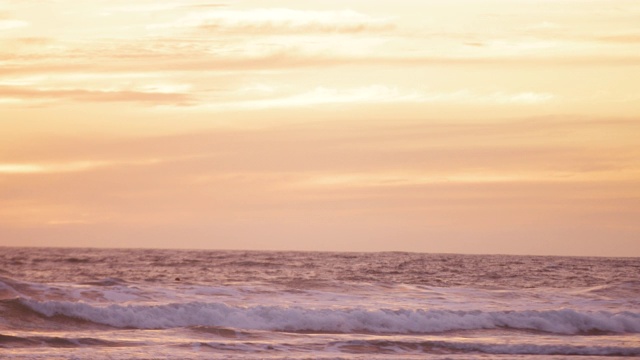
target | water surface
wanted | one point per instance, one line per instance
(141, 304)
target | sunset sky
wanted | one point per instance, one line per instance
(508, 126)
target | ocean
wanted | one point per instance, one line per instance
(59, 303)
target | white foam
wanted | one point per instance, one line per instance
(285, 318)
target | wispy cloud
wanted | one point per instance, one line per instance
(284, 59)
(274, 20)
(382, 94)
(8, 24)
(325, 95)
(408, 179)
(629, 38)
(155, 96)
(39, 168)
(73, 166)
(158, 7)
(143, 7)
(542, 145)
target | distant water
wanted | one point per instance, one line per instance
(129, 304)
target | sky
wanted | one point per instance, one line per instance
(460, 126)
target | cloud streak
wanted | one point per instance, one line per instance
(263, 22)
(83, 95)
(35, 168)
(289, 60)
(73, 166)
(9, 24)
(382, 94)
(544, 145)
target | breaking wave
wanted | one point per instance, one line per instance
(337, 320)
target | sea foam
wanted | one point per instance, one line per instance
(340, 320)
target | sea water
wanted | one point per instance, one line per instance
(179, 304)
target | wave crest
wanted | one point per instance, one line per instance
(339, 320)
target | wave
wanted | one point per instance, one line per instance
(16, 314)
(621, 290)
(385, 346)
(400, 347)
(54, 341)
(106, 282)
(336, 320)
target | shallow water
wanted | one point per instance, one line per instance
(140, 304)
